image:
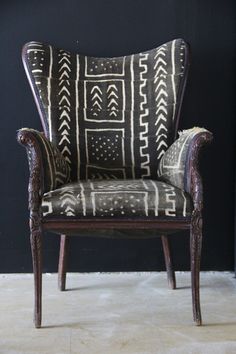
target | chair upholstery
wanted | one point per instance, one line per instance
(116, 198)
(109, 117)
(55, 169)
(175, 163)
(109, 157)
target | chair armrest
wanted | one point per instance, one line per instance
(179, 164)
(46, 163)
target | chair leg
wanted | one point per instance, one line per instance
(195, 252)
(36, 249)
(62, 263)
(168, 262)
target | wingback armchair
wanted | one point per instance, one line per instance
(109, 156)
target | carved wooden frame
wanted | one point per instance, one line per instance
(35, 189)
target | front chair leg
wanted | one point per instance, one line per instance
(36, 249)
(195, 252)
(62, 263)
(168, 262)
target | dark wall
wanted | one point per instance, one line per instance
(111, 28)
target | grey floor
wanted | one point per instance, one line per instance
(118, 313)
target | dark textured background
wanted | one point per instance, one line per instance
(111, 28)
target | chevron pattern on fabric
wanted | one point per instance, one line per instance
(111, 118)
(161, 100)
(64, 97)
(119, 198)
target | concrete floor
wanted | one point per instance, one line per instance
(118, 313)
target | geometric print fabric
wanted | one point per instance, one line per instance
(173, 165)
(111, 118)
(116, 198)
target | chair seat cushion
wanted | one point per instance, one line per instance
(116, 199)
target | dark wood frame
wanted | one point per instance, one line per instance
(164, 228)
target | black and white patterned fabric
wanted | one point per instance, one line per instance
(111, 118)
(116, 198)
(109, 125)
(55, 170)
(172, 167)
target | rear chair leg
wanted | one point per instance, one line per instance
(195, 252)
(168, 262)
(62, 263)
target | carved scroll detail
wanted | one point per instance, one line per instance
(35, 182)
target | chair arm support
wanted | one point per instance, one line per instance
(179, 164)
(48, 168)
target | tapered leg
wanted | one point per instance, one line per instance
(36, 248)
(62, 263)
(168, 262)
(195, 251)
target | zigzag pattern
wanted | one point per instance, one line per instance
(64, 104)
(112, 98)
(161, 95)
(68, 201)
(145, 163)
(96, 93)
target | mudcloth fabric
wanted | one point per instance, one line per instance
(117, 198)
(109, 148)
(109, 117)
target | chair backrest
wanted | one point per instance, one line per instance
(110, 117)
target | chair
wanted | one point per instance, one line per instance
(109, 157)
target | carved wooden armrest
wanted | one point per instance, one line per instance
(179, 164)
(48, 168)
